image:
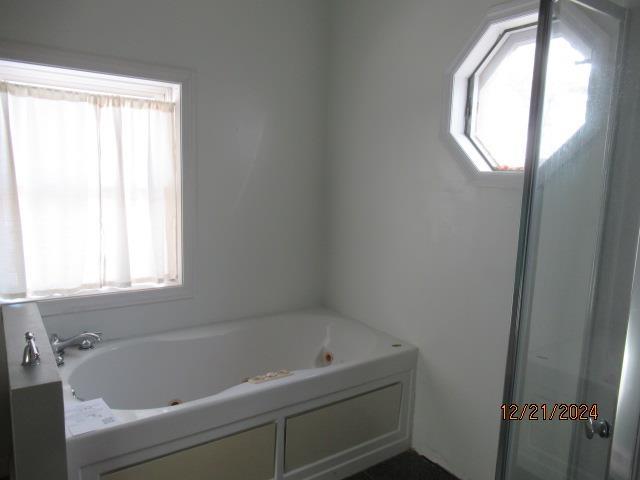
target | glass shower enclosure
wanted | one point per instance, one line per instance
(572, 388)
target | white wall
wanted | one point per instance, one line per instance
(261, 102)
(416, 248)
(260, 74)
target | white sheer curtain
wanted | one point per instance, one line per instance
(89, 189)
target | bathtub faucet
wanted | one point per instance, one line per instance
(84, 341)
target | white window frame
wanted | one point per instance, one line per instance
(504, 17)
(100, 68)
(508, 41)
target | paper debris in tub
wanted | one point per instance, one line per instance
(88, 416)
(269, 376)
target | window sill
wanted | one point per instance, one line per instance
(103, 301)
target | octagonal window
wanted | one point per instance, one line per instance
(491, 93)
(498, 100)
(500, 93)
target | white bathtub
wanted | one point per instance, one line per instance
(206, 368)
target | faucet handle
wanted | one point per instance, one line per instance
(31, 354)
(96, 335)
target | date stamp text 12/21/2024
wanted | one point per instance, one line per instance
(544, 411)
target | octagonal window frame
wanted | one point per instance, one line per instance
(507, 42)
(509, 16)
(503, 18)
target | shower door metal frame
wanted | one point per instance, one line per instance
(624, 458)
(543, 41)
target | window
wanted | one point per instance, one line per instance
(491, 93)
(90, 183)
(498, 96)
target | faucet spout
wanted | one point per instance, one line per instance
(83, 341)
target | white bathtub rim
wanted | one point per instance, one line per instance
(401, 360)
(76, 358)
(202, 417)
